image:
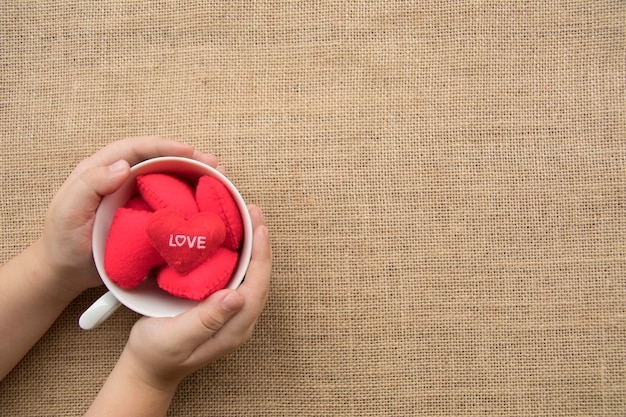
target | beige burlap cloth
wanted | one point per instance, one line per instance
(444, 182)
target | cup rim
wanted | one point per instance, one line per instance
(146, 298)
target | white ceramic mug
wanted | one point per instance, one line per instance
(147, 298)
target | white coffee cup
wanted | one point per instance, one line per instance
(147, 298)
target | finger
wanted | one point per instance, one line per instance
(103, 180)
(254, 290)
(256, 215)
(199, 324)
(256, 283)
(135, 150)
(255, 287)
(89, 187)
(208, 159)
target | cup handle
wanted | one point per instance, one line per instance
(99, 311)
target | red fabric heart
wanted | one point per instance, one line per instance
(209, 277)
(185, 244)
(138, 203)
(213, 196)
(128, 253)
(162, 191)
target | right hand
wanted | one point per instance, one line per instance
(162, 351)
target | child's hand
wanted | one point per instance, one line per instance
(161, 352)
(65, 245)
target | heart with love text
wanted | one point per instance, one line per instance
(185, 243)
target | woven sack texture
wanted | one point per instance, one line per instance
(444, 184)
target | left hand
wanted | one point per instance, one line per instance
(66, 240)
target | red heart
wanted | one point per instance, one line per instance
(210, 276)
(213, 196)
(185, 244)
(162, 191)
(128, 254)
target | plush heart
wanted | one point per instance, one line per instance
(213, 196)
(128, 253)
(185, 243)
(138, 203)
(209, 277)
(162, 191)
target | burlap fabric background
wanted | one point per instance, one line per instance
(444, 183)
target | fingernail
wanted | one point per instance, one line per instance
(117, 166)
(232, 302)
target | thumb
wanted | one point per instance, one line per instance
(102, 180)
(200, 323)
(79, 197)
(87, 189)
